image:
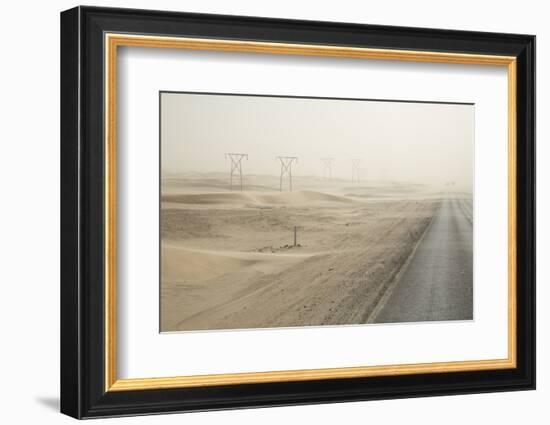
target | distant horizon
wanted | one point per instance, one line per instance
(166, 175)
(225, 173)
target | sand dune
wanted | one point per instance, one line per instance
(196, 280)
(208, 198)
(196, 265)
(229, 261)
(301, 197)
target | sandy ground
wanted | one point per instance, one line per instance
(229, 262)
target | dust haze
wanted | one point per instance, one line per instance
(423, 143)
(381, 234)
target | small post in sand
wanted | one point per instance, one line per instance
(295, 231)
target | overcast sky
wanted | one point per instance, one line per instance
(398, 141)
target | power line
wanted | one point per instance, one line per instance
(327, 167)
(236, 167)
(286, 169)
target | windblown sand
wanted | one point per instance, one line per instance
(228, 259)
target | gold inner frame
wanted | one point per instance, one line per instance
(113, 41)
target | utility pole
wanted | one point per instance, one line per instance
(286, 169)
(236, 167)
(327, 167)
(355, 170)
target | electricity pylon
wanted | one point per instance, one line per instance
(236, 167)
(286, 169)
(327, 167)
(355, 170)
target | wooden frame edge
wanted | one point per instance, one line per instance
(114, 40)
(512, 212)
(306, 375)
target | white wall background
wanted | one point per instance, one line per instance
(29, 213)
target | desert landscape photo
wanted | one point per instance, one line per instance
(290, 211)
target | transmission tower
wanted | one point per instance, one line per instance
(236, 167)
(327, 167)
(355, 170)
(286, 169)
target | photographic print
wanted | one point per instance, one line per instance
(281, 211)
(257, 183)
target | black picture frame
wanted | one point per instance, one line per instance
(83, 392)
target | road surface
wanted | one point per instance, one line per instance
(437, 282)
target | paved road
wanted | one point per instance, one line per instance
(437, 283)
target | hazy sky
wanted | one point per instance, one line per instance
(415, 142)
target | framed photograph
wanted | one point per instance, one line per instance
(260, 212)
